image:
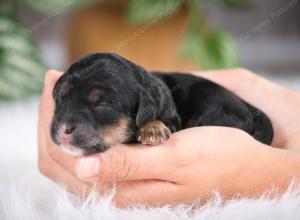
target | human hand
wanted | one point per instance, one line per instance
(187, 167)
(47, 165)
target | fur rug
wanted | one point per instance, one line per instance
(25, 194)
(24, 200)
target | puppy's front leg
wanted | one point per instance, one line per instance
(153, 133)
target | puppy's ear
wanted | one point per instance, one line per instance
(147, 109)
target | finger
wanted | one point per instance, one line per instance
(52, 170)
(61, 176)
(51, 77)
(46, 107)
(149, 192)
(46, 165)
(45, 116)
(232, 79)
(126, 162)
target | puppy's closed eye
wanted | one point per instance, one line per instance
(94, 95)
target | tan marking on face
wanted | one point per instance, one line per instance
(64, 88)
(94, 95)
(116, 133)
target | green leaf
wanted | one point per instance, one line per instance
(215, 50)
(8, 8)
(235, 3)
(21, 69)
(54, 6)
(143, 11)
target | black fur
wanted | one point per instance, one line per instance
(129, 92)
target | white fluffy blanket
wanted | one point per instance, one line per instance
(25, 194)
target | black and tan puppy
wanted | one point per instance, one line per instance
(103, 100)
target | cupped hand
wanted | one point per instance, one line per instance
(192, 163)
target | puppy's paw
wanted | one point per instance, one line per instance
(153, 133)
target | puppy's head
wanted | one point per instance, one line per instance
(95, 105)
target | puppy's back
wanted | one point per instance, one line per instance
(201, 102)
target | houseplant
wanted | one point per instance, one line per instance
(21, 68)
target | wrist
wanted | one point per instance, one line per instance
(271, 168)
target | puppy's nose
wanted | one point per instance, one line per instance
(68, 129)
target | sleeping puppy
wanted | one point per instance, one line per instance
(103, 100)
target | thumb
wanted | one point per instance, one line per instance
(125, 162)
(46, 106)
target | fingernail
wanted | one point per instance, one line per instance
(88, 168)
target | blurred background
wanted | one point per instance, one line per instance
(166, 35)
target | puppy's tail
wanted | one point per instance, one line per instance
(263, 129)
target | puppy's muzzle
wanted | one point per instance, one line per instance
(78, 135)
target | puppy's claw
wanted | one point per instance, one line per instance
(153, 133)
